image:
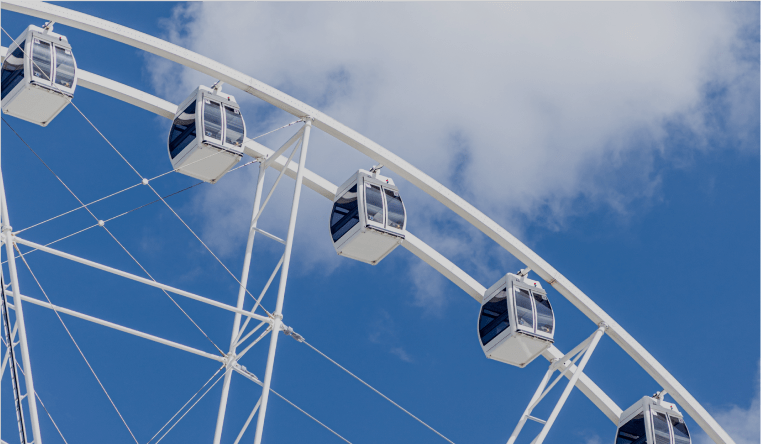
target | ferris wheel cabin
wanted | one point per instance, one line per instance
(368, 219)
(652, 421)
(39, 76)
(207, 135)
(516, 323)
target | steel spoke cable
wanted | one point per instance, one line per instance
(313, 418)
(101, 223)
(167, 205)
(164, 291)
(191, 407)
(145, 181)
(376, 391)
(75, 344)
(125, 213)
(57, 240)
(37, 395)
(75, 209)
(205, 246)
(118, 192)
(188, 402)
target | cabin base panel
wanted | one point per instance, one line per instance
(518, 349)
(35, 104)
(207, 163)
(370, 246)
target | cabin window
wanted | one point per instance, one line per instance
(543, 313)
(633, 432)
(494, 318)
(661, 429)
(523, 311)
(183, 130)
(13, 69)
(64, 67)
(374, 203)
(395, 209)
(345, 214)
(212, 120)
(681, 435)
(234, 126)
(41, 60)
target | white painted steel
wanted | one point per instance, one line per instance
(241, 298)
(396, 164)
(119, 327)
(568, 362)
(269, 235)
(328, 190)
(248, 335)
(571, 383)
(7, 351)
(248, 421)
(277, 315)
(20, 323)
(531, 403)
(187, 294)
(10, 354)
(276, 155)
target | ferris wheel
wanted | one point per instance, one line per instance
(208, 139)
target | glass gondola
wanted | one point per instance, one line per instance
(651, 420)
(39, 75)
(368, 219)
(207, 134)
(516, 322)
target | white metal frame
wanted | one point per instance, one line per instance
(509, 283)
(361, 180)
(364, 145)
(48, 85)
(202, 145)
(583, 350)
(19, 311)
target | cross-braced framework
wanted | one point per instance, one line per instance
(272, 322)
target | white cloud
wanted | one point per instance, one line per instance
(525, 109)
(401, 354)
(743, 424)
(592, 439)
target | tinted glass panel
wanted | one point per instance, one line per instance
(661, 429)
(41, 60)
(64, 67)
(543, 313)
(681, 435)
(13, 70)
(212, 120)
(183, 130)
(374, 203)
(633, 432)
(234, 133)
(523, 308)
(494, 318)
(345, 214)
(395, 209)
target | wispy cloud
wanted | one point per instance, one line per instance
(592, 439)
(743, 423)
(383, 332)
(534, 112)
(399, 351)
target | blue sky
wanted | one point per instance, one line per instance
(619, 141)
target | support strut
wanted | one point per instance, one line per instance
(583, 351)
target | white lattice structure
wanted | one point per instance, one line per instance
(276, 159)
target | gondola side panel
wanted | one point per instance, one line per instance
(39, 76)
